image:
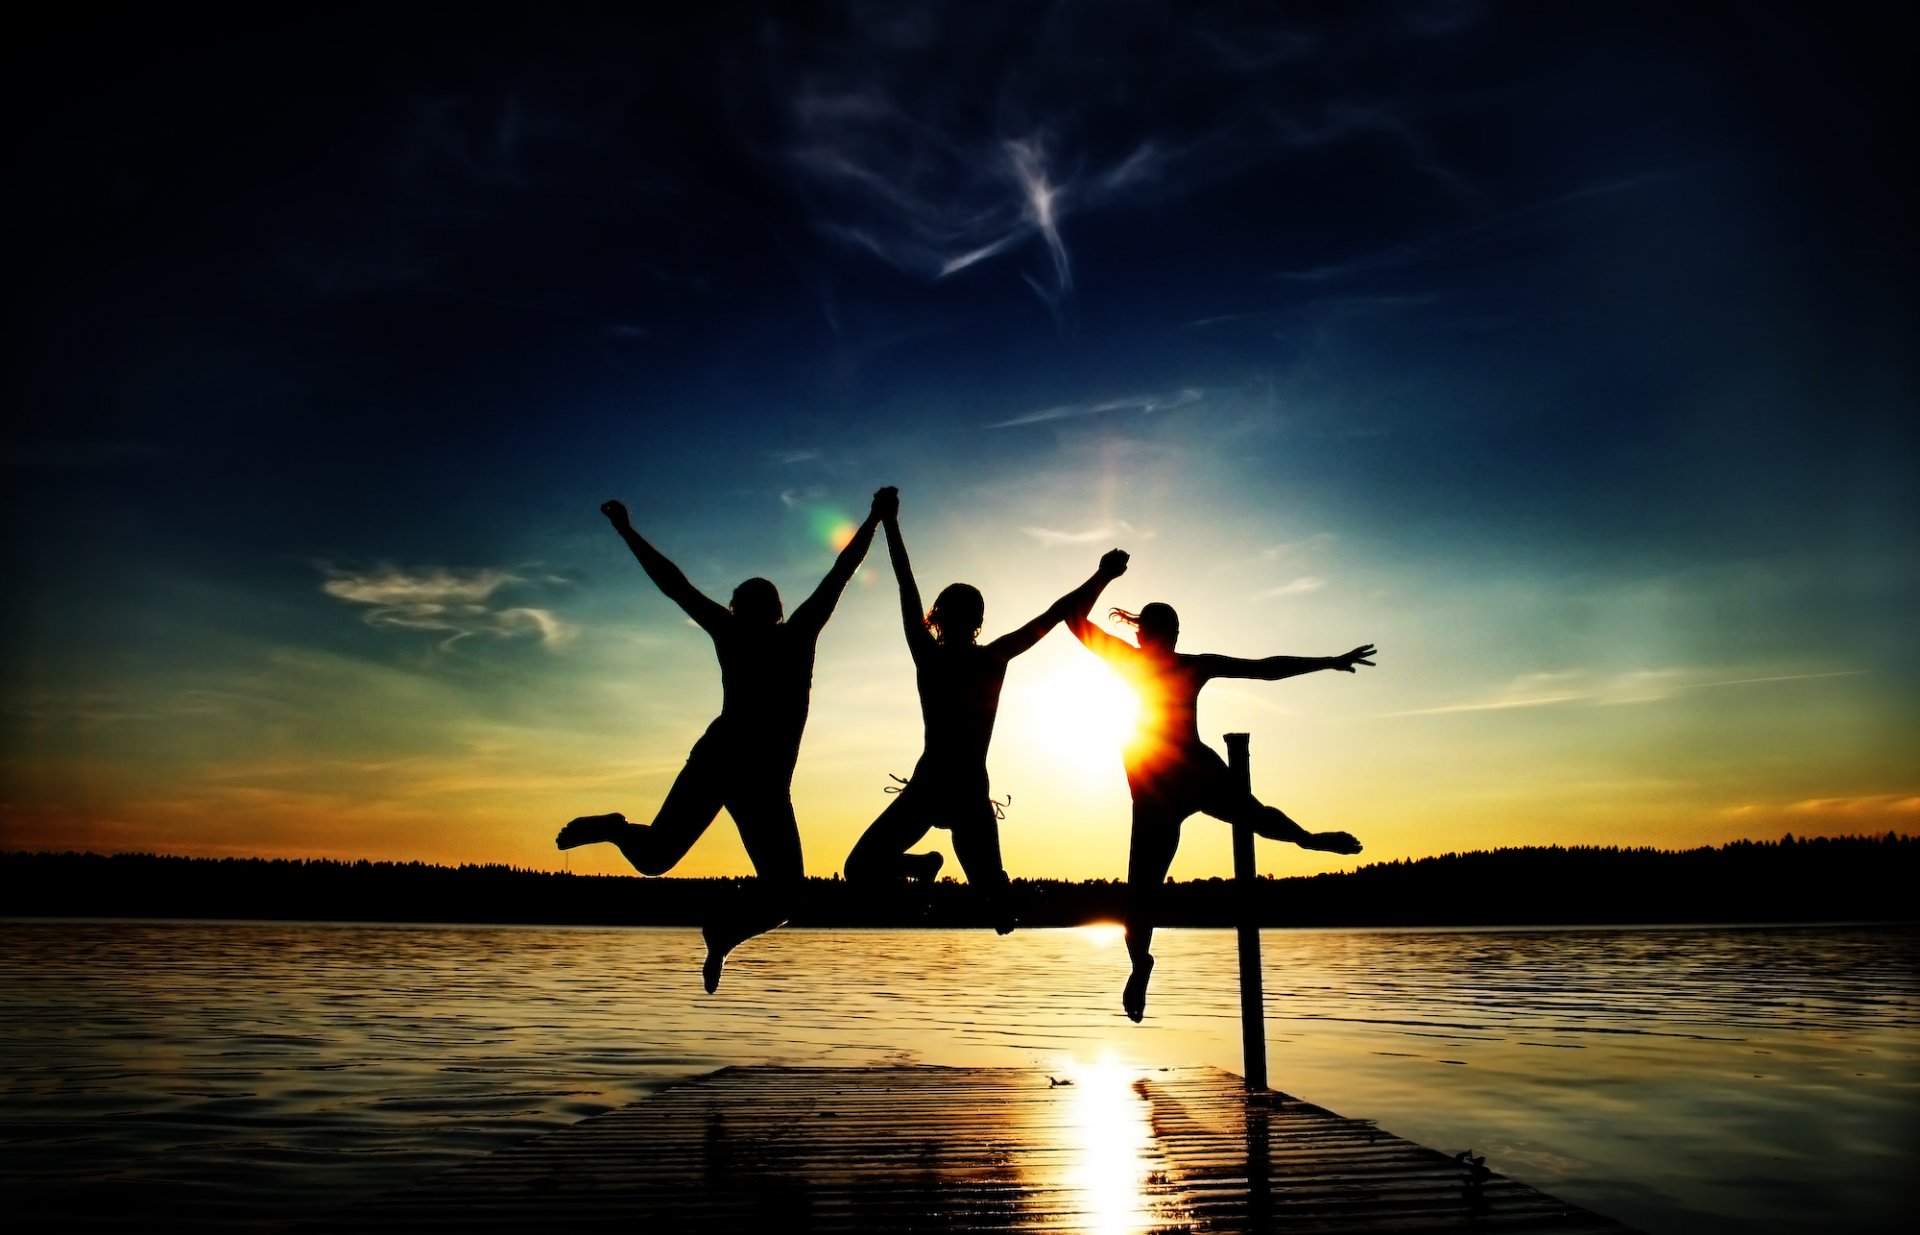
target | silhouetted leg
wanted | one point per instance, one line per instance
(772, 838)
(977, 845)
(1235, 806)
(1156, 838)
(654, 849)
(880, 855)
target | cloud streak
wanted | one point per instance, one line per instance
(1297, 587)
(457, 604)
(1138, 404)
(1853, 809)
(1288, 550)
(1105, 533)
(1535, 690)
(1081, 111)
(1484, 230)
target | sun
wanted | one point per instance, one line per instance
(1076, 714)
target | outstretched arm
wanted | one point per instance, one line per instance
(1274, 668)
(1078, 601)
(1076, 617)
(666, 576)
(912, 615)
(814, 611)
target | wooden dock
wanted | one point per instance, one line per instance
(1102, 1149)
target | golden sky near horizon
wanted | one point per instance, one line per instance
(1474, 731)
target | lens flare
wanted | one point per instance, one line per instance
(830, 526)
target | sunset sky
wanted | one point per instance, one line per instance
(1564, 352)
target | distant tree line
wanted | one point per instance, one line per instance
(1848, 878)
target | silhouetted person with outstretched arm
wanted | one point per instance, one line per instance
(745, 759)
(1173, 774)
(959, 681)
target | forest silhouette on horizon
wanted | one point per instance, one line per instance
(1846, 878)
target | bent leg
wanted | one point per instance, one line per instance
(880, 855)
(1156, 838)
(654, 849)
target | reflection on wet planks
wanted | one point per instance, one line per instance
(1103, 1148)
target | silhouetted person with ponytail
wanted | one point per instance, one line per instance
(959, 681)
(1172, 773)
(745, 759)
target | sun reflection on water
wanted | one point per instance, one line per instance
(1112, 1142)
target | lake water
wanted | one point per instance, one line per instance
(242, 1075)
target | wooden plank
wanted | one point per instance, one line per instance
(1113, 1150)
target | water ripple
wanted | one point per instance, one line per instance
(244, 1073)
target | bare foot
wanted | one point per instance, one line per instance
(589, 829)
(1134, 998)
(999, 894)
(716, 959)
(1332, 842)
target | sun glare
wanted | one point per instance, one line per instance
(1103, 934)
(1079, 715)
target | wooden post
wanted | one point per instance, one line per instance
(1253, 1000)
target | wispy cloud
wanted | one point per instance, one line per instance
(1292, 550)
(455, 603)
(1070, 121)
(1536, 690)
(1853, 809)
(1297, 587)
(1479, 231)
(805, 497)
(1138, 404)
(1104, 533)
(1866, 804)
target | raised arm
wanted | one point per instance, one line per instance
(1076, 617)
(710, 614)
(1274, 668)
(1078, 601)
(912, 615)
(814, 611)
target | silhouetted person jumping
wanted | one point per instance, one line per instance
(959, 683)
(745, 759)
(1173, 774)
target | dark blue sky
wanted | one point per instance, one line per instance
(1585, 331)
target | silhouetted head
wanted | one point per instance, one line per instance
(757, 603)
(1158, 625)
(957, 613)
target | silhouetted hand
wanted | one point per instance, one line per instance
(1113, 563)
(1331, 842)
(1358, 656)
(616, 514)
(886, 503)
